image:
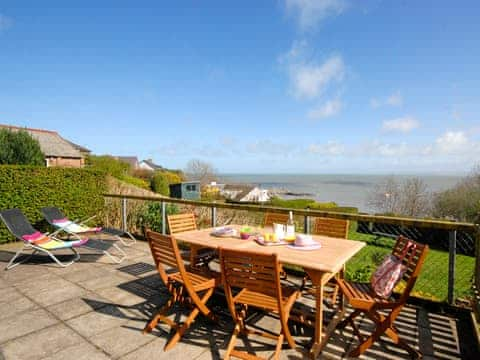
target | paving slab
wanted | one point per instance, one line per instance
(16, 306)
(81, 351)
(45, 342)
(89, 301)
(110, 341)
(98, 321)
(54, 292)
(24, 323)
(113, 279)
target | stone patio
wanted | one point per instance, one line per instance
(97, 310)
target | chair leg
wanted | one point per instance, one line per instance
(115, 258)
(127, 243)
(233, 340)
(11, 264)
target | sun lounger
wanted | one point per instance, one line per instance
(57, 219)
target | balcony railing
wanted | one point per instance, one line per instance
(461, 268)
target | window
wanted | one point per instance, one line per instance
(191, 188)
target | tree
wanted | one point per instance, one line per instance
(409, 198)
(198, 170)
(462, 202)
(19, 148)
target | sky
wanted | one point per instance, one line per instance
(281, 86)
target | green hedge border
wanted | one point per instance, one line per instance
(78, 192)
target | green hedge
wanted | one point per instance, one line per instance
(78, 192)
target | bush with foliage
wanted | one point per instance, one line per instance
(135, 181)
(462, 202)
(151, 216)
(162, 179)
(108, 164)
(19, 148)
(78, 192)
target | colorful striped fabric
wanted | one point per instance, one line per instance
(48, 243)
(73, 227)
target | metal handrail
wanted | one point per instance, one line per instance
(402, 221)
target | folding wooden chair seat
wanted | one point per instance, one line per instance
(199, 257)
(188, 288)
(337, 228)
(365, 301)
(257, 277)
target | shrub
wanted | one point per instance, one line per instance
(151, 216)
(108, 164)
(78, 192)
(135, 181)
(162, 179)
(19, 148)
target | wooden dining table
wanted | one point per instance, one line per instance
(320, 264)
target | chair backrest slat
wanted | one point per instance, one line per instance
(252, 271)
(331, 227)
(274, 218)
(165, 253)
(413, 262)
(181, 222)
(17, 223)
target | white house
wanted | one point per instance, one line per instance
(245, 193)
(149, 165)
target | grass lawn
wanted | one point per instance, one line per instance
(433, 281)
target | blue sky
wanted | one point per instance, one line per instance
(286, 86)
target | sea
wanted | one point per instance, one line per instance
(345, 190)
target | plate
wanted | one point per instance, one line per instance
(262, 242)
(305, 248)
(224, 232)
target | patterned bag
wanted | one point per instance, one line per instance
(390, 272)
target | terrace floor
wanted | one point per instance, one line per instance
(96, 310)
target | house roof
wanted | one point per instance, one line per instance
(131, 160)
(51, 143)
(80, 148)
(237, 191)
(151, 164)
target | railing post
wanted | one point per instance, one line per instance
(306, 223)
(214, 216)
(124, 214)
(164, 218)
(452, 249)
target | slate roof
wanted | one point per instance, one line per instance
(51, 143)
(154, 166)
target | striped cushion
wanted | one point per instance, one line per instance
(48, 243)
(72, 227)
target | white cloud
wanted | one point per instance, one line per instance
(453, 142)
(403, 124)
(309, 13)
(310, 80)
(266, 146)
(330, 148)
(381, 149)
(5, 22)
(328, 109)
(395, 99)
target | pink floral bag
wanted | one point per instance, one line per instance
(390, 272)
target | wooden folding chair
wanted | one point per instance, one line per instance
(199, 257)
(274, 218)
(364, 301)
(188, 288)
(337, 228)
(258, 277)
